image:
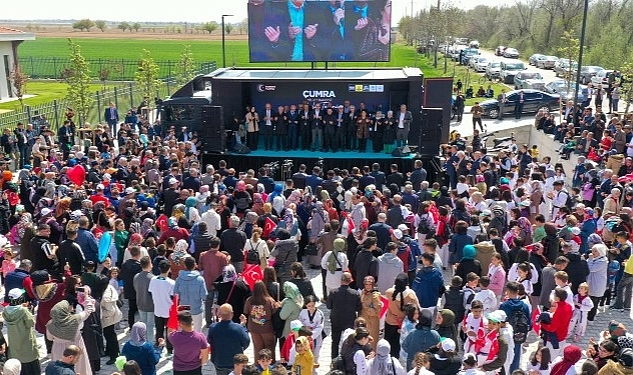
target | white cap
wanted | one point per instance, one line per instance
(403, 227)
(448, 345)
(397, 233)
(45, 211)
(130, 190)
(16, 293)
(295, 325)
(575, 231)
(100, 187)
(173, 181)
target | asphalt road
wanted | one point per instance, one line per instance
(548, 74)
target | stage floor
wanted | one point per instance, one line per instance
(369, 156)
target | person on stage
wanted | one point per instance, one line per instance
(379, 129)
(293, 127)
(317, 128)
(329, 121)
(339, 144)
(281, 129)
(404, 125)
(362, 131)
(252, 128)
(389, 132)
(305, 126)
(351, 129)
(266, 126)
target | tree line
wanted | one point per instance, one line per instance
(87, 24)
(532, 26)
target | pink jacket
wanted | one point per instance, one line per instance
(8, 265)
(497, 279)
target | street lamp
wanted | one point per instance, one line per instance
(223, 42)
(581, 50)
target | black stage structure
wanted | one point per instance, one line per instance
(211, 104)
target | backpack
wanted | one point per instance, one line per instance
(569, 202)
(520, 323)
(252, 255)
(425, 227)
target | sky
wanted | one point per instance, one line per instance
(181, 11)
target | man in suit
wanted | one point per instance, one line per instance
(65, 136)
(518, 108)
(329, 123)
(111, 116)
(339, 144)
(503, 101)
(293, 127)
(266, 126)
(404, 125)
(317, 128)
(305, 126)
(292, 28)
(23, 143)
(281, 128)
(350, 129)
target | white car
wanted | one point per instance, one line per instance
(601, 78)
(479, 64)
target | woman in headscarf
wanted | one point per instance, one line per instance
(372, 305)
(140, 350)
(316, 226)
(384, 363)
(258, 204)
(110, 316)
(291, 306)
(598, 264)
(468, 263)
(571, 355)
(191, 212)
(232, 290)
(12, 367)
(422, 338)
(399, 296)
(285, 254)
(241, 198)
(446, 327)
(176, 259)
(64, 329)
(525, 227)
(147, 229)
(334, 262)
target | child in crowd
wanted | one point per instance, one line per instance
(8, 264)
(582, 305)
(107, 264)
(286, 349)
(524, 271)
(474, 326)
(408, 324)
(453, 300)
(114, 280)
(497, 276)
(470, 365)
(161, 252)
(539, 228)
(304, 359)
(614, 268)
(470, 290)
(501, 247)
(421, 363)
(540, 362)
(239, 362)
(555, 331)
(562, 281)
(264, 361)
(486, 296)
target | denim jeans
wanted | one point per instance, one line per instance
(516, 362)
(624, 290)
(147, 317)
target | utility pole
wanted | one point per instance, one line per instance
(436, 35)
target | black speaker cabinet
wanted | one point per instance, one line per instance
(430, 131)
(212, 129)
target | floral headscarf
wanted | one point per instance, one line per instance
(525, 225)
(147, 226)
(291, 291)
(229, 274)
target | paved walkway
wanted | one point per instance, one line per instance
(165, 366)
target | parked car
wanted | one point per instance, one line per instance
(466, 54)
(534, 101)
(499, 50)
(547, 63)
(588, 72)
(511, 53)
(493, 70)
(532, 60)
(529, 80)
(560, 87)
(601, 78)
(474, 44)
(563, 67)
(509, 70)
(479, 64)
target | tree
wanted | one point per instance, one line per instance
(104, 74)
(146, 75)
(210, 27)
(101, 25)
(18, 80)
(124, 26)
(228, 28)
(185, 69)
(627, 82)
(77, 76)
(84, 24)
(569, 49)
(136, 26)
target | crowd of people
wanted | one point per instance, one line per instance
(207, 261)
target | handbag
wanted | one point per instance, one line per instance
(311, 249)
(278, 323)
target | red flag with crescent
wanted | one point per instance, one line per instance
(251, 274)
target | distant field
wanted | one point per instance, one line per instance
(203, 51)
(45, 92)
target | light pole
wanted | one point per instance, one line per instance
(223, 41)
(581, 49)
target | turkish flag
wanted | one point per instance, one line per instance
(535, 325)
(172, 321)
(385, 305)
(251, 274)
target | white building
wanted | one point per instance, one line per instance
(10, 39)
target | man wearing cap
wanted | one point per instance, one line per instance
(227, 339)
(170, 195)
(19, 278)
(20, 332)
(44, 252)
(558, 197)
(344, 305)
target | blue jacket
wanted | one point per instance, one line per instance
(428, 286)
(191, 290)
(14, 279)
(456, 247)
(89, 245)
(227, 339)
(586, 229)
(146, 355)
(419, 340)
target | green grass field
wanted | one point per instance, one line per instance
(45, 92)
(203, 51)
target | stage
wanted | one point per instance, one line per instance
(326, 160)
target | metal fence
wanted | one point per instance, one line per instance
(101, 69)
(124, 96)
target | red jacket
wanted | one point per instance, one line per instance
(560, 320)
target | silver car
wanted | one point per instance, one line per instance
(547, 63)
(493, 70)
(529, 80)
